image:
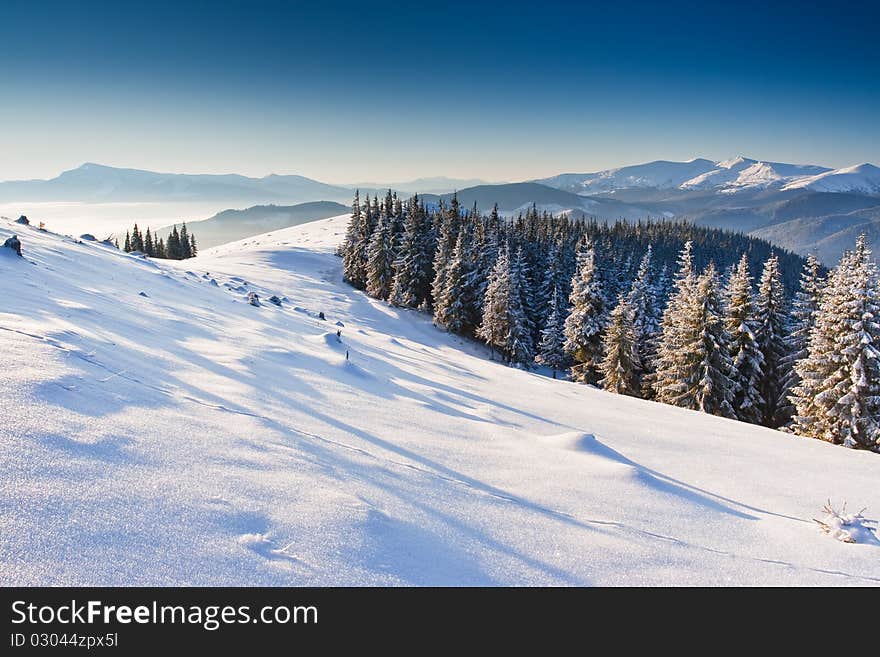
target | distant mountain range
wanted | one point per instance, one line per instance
(803, 207)
(233, 225)
(727, 176)
(96, 183)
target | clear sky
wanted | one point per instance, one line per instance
(346, 92)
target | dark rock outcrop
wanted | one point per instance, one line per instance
(13, 243)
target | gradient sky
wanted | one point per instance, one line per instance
(347, 92)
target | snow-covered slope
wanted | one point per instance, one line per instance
(863, 179)
(182, 436)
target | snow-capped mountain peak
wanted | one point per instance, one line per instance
(736, 163)
(862, 178)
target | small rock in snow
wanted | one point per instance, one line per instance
(13, 243)
(254, 299)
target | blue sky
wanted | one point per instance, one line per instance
(347, 92)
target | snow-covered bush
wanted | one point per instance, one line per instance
(846, 527)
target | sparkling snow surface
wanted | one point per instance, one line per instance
(184, 436)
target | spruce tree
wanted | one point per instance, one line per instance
(670, 362)
(137, 243)
(349, 247)
(413, 265)
(838, 398)
(355, 253)
(747, 371)
(551, 349)
(620, 367)
(184, 243)
(693, 369)
(503, 326)
(380, 270)
(803, 319)
(455, 308)
(172, 245)
(486, 248)
(149, 249)
(520, 339)
(495, 323)
(771, 318)
(447, 233)
(583, 327)
(127, 246)
(643, 303)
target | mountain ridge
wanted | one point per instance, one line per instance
(726, 176)
(96, 183)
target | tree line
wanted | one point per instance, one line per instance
(662, 310)
(178, 245)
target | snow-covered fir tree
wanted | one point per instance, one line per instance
(355, 246)
(413, 267)
(586, 320)
(772, 327)
(448, 222)
(503, 326)
(455, 307)
(714, 389)
(670, 362)
(380, 257)
(643, 303)
(621, 368)
(522, 328)
(802, 320)
(693, 367)
(747, 367)
(486, 246)
(494, 325)
(838, 398)
(551, 349)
